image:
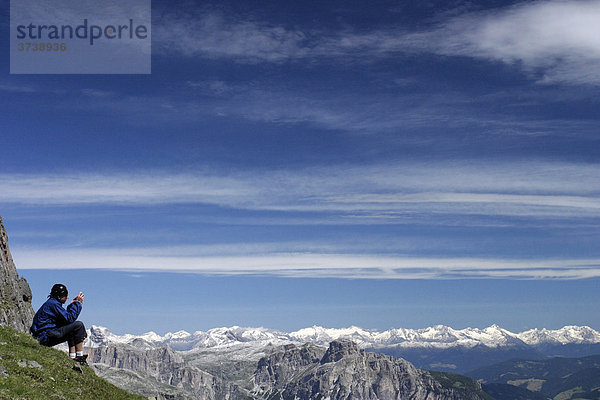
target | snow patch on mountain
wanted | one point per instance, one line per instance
(438, 337)
(565, 335)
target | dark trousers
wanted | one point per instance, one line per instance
(73, 333)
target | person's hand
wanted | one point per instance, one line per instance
(79, 298)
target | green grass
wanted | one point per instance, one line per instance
(57, 379)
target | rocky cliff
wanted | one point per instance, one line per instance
(159, 372)
(15, 294)
(343, 371)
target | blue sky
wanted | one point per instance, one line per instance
(389, 164)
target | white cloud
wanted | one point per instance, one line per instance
(378, 191)
(211, 35)
(140, 188)
(310, 265)
(559, 39)
(217, 87)
(556, 41)
(364, 113)
(410, 117)
(97, 93)
(8, 87)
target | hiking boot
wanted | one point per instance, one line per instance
(81, 359)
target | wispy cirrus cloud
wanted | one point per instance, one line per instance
(97, 93)
(143, 188)
(212, 35)
(314, 265)
(555, 41)
(384, 191)
(365, 195)
(338, 110)
(16, 88)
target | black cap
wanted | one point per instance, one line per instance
(59, 290)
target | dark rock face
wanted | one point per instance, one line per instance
(345, 372)
(15, 294)
(282, 366)
(339, 349)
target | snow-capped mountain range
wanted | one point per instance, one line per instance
(437, 337)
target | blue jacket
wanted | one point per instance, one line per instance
(52, 315)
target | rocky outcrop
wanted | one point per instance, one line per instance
(343, 371)
(157, 368)
(15, 294)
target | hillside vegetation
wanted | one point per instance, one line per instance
(557, 378)
(31, 371)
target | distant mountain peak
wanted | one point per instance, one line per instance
(565, 335)
(439, 336)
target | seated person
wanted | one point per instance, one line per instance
(52, 324)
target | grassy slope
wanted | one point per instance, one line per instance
(57, 379)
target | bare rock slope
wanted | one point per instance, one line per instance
(159, 372)
(15, 294)
(343, 371)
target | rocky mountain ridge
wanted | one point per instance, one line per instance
(300, 372)
(263, 363)
(438, 348)
(15, 295)
(343, 371)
